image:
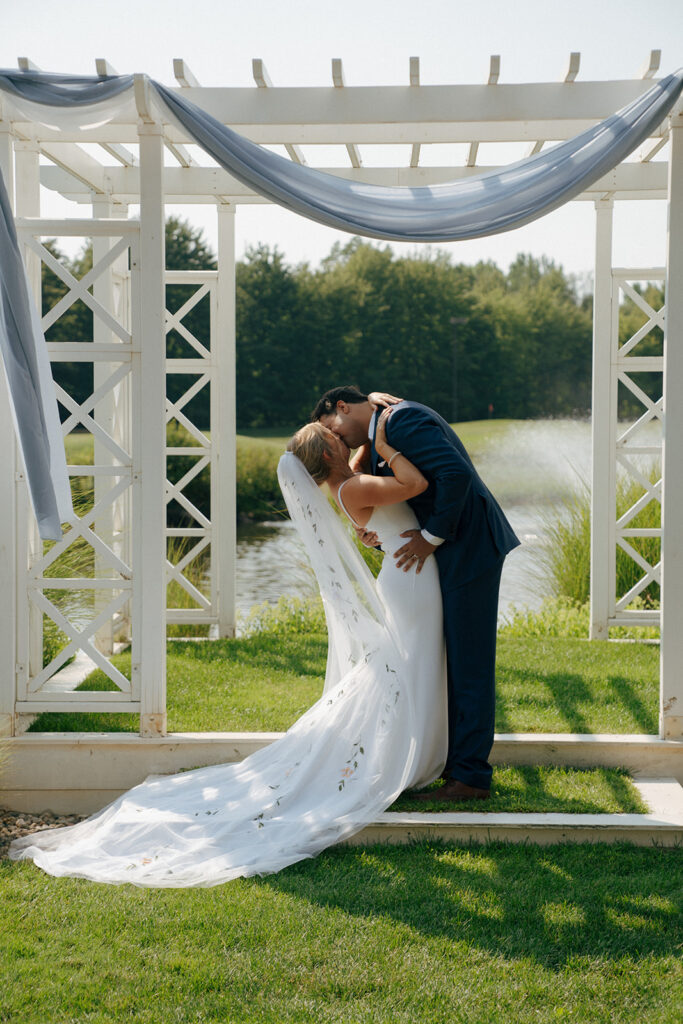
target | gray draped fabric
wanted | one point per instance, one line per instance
(43, 460)
(482, 205)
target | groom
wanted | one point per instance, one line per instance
(466, 530)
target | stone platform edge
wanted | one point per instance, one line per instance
(78, 773)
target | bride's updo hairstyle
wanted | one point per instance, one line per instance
(310, 445)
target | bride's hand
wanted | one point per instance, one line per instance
(381, 434)
(382, 400)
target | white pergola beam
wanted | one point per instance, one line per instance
(120, 153)
(338, 82)
(261, 76)
(181, 153)
(569, 76)
(391, 114)
(183, 74)
(494, 69)
(79, 164)
(651, 66)
(206, 184)
(414, 76)
(104, 68)
(573, 67)
(650, 149)
(262, 79)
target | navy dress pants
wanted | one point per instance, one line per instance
(470, 623)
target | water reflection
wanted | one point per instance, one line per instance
(531, 468)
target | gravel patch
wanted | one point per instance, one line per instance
(14, 824)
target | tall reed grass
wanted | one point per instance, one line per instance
(566, 558)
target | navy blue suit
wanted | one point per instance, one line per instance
(458, 506)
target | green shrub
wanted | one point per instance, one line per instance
(566, 558)
(258, 492)
(289, 615)
(562, 617)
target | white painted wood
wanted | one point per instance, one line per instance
(573, 68)
(8, 523)
(183, 74)
(339, 83)
(262, 79)
(260, 73)
(104, 68)
(201, 184)
(602, 464)
(461, 113)
(224, 486)
(104, 411)
(120, 154)
(626, 444)
(83, 166)
(494, 69)
(149, 650)
(651, 66)
(671, 700)
(414, 70)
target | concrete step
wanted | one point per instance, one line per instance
(661, 826)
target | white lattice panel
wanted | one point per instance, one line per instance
(85, 583)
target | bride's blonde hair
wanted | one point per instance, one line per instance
(310, 445)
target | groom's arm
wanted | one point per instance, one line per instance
(414, 433)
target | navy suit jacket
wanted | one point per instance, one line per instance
(457, 505)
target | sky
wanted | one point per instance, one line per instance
(297, 40)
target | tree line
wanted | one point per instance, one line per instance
(471, 341)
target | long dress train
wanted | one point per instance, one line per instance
(379, 727)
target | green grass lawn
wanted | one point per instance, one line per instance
(478, 934)
(432, 933)
(264, 682)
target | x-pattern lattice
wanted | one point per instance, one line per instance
(202, 367)
(114, 572)
(630, 444)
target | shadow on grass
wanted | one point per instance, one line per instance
(573, 698)
(528, 789)
(626, 695)
(549, 904)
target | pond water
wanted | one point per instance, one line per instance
(531, 467)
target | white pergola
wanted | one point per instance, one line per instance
(128, 410)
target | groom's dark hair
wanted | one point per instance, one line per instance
(328, 403)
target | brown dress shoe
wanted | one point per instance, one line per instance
(454, 792)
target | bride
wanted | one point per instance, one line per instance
(378, 728)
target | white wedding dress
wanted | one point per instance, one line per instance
(379, 727)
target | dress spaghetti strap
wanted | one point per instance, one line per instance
(343, 506)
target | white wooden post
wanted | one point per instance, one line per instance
(671, 686)
(29, 544)
(149, 647)
(103, 414)
(223, 428)
(8, 468)
(602, 515)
